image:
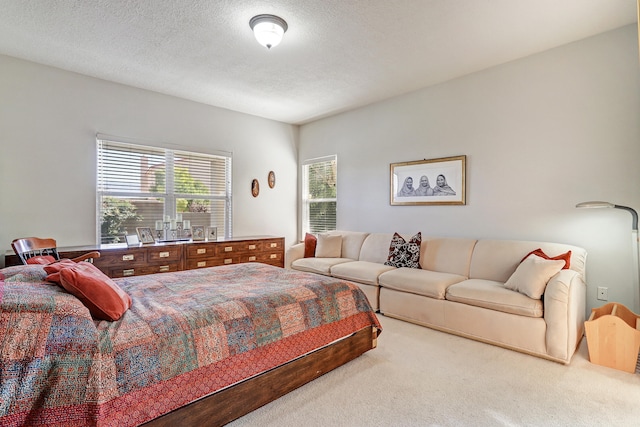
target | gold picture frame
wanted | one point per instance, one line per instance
(429, 182)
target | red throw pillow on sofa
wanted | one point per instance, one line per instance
(101, 295)
(566, 257)
(310, 242)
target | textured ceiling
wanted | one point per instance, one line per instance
(336, 55)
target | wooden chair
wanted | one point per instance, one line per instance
(33, 250)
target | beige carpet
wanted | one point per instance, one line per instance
(421, 377)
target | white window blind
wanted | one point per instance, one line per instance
(138, 185)
(319, 194)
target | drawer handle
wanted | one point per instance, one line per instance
(128, 257)
(164, 254)
(273, 245)
(202, 263)
(228, 261)
(252, 258)
(164, 268)
(129, 272)
(201, 251)
(228, 248)
(273, 256)
(252, 247)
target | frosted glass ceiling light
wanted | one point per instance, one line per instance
(268, 29)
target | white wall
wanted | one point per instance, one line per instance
(48, 122)
(540, 135)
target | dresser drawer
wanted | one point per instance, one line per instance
(272, 244)
(121, 258)
(271, 258)
(141, 270)
(225, 248)
(200, 250)
(171, 253)
(213, 262)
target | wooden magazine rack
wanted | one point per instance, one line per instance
(613, 337)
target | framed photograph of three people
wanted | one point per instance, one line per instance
(429, 182)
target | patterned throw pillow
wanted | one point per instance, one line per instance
(403, 253)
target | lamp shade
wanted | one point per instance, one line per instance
(268, 29)
(595, 205)
(634, 214)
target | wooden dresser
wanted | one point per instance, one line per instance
(118, 260)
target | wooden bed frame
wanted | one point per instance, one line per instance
(235, 401)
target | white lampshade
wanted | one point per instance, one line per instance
(268, 29)
(595, 205)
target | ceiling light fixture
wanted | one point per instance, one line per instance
(268, 29)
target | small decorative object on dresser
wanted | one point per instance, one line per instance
(212, 233)
(132, 240)
(145, 235)
(271, 179)
(197, 232)
(255, 188)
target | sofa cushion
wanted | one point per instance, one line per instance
(422, 282)
(498, 259)
(351, 242)
(329, 246)
(375, 247)
(447, 255)
(403, 253)
(532, 275)
(317, 265)
(360, 271)
(494, 296)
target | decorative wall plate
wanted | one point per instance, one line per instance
(255, 188)
(271, 179)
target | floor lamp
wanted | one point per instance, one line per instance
(634, 244)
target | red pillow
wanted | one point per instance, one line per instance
(41, 259)
(53, 269)
(101, 295)
(310, 242)
(566, 257)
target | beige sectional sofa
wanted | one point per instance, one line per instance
(460, 289)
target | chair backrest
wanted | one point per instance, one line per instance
(29, 247)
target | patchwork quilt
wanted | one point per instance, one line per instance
(187, 334)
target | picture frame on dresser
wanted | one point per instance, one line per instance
(132, 240)
(145, 235)
(429, 182)
(197, 233)
(212, 233)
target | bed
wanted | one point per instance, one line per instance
(196, 346)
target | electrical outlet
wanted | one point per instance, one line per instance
(603, 293)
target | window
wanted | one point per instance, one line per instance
(319, 197)
(139, 185)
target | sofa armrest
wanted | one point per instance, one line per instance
(293, 253)
(564, 313)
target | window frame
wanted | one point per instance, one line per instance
(170, 196)
(306, 201)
